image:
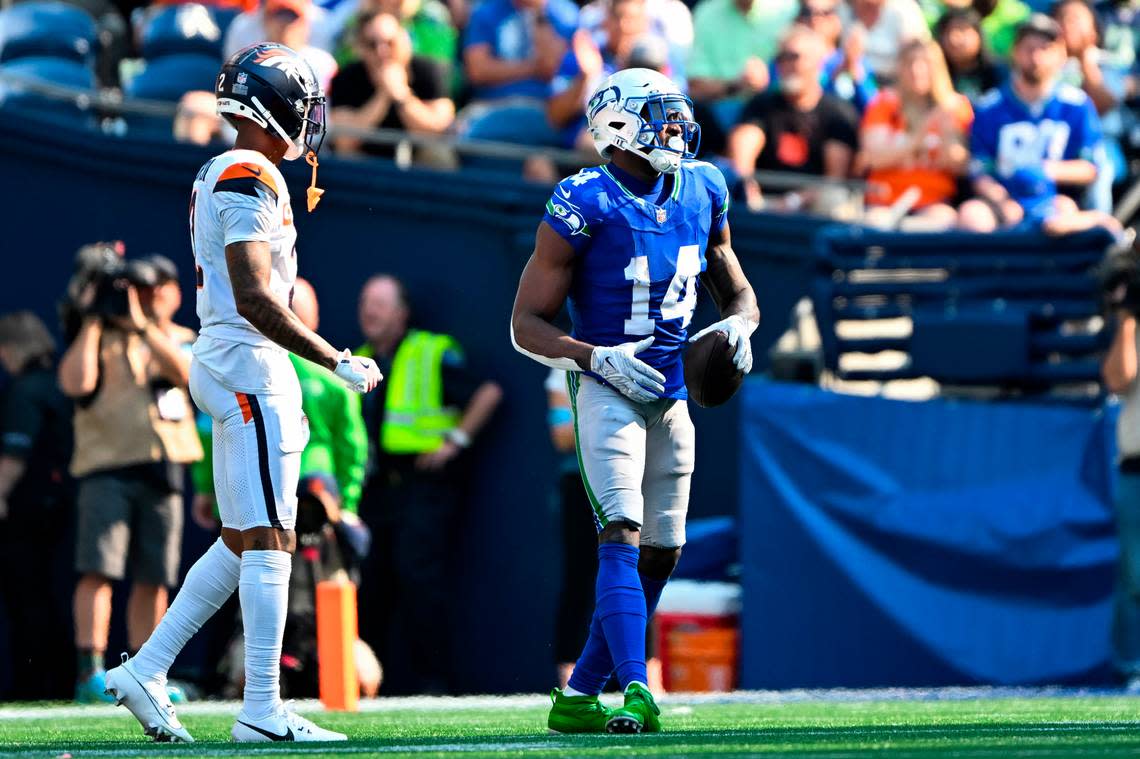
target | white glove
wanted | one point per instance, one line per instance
(633, 378)
(738, 330)
(360, 374)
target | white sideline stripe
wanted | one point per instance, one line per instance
(471, 703)
(324, 749)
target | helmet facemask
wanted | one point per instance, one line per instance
(663, 112)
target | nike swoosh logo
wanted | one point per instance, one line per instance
(564, 193)
(288, 736)
(256, 173)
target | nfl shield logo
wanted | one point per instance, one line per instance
(660, 215)
(242, 77)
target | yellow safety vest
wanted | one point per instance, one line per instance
(415, 418)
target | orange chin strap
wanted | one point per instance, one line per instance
(314, 193)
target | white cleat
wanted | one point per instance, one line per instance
(149, 702)
(285, 725)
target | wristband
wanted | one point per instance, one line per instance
(459, 438)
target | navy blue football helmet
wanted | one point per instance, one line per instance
(275, 88)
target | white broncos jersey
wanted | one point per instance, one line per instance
(241, 196)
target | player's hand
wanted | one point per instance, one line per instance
(360, 374)
(738, 330)
(202, 512)
(633, 378)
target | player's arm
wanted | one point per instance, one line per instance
(725, 281)
(249, 265)
(543, 288)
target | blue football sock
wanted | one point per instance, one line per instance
(652, 588)
(594, 666)
(620, 607)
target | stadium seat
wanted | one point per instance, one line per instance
(46, 70)
(46, 29)
(187, 29)
(171, 76)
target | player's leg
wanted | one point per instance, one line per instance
(140, 684)
(156, 552)
(265, 445)
(611, 454)
(669, 458)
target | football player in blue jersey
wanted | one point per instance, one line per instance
(1031, 135)
(623, 245)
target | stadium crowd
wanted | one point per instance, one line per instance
(907, 96)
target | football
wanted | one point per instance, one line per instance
(710, 375)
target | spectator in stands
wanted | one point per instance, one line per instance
(591, 58)
(197, 121)
(420, 422)
(36, 504)
(972, 70)
(886, 25)
(799, 128)
(671, 20)
(1093, 70)
(845, 72)
(913, 142)
(579, 536)
(514, 47)
(388, 88)
(1119, 22)
(428, 23)
(732, 41)
(1022, 153)
(1000, 21)
(127, 370)
(252, 27)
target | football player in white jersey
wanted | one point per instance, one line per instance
(243, 236)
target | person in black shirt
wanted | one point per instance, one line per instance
(959, 34)
(423, 417)
(388, 88)
(36, 505)
(798, 128)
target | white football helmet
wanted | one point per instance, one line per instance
(630, 110)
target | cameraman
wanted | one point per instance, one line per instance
(127, 371)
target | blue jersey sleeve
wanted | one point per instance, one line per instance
(983, 138)
(1086, 136)
(482, 26)
(568, 213)
(567, 72)
(717, 189)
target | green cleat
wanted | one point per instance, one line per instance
(639, 715)
(576, 714)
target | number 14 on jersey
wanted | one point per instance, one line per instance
(680, 299)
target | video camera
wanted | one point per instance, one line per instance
(101, 283)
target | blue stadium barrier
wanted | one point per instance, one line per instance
(985, 309)
(895, 543)
(172, 76)
(185, 29)
(46, 29)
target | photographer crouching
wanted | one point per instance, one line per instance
(127, 369)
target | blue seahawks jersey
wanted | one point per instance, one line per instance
(1009, 136)
(637, 266)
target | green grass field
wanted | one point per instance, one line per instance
(851, 725)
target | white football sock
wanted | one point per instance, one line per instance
(208, 584)
(264, 595)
